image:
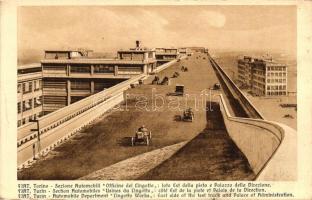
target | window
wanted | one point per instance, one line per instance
(36, 85)
(24, 87)
(19, 88)
(30, 87)
(27, 105)
(80, 69)
(19, 123)
(103, 69)
(30, 118)
(30, 103)
(80, 85)
(24, 106)
(37, 101)
(19, 110)
(23, 121)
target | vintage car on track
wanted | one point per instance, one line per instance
(142, 136)
(188, 115)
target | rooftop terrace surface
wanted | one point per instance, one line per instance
(211, 154)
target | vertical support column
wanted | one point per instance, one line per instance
(68, 92)
(266, 81)
(92, 87)
(145, 69)
(145, 55)
(92, 70)
(286, 80)
(68, 70)
(116, 70)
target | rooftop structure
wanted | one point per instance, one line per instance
(185, 51)
(71, 75)
(164, 55)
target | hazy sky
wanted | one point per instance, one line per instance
(109, 28)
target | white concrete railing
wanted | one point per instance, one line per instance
(269, 147)
(58, 117)
(62, 115)
(168, 64)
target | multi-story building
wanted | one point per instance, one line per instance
(244, 71)
(263, 76)
(29, 93)
(164, 55)
(69, 76)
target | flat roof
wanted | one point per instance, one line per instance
(28, 66)
(167, 48)
(96, 61)
(135, 51)
(66, 50)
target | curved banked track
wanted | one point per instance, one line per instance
(270, 147)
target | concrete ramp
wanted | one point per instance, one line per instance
(212, 155)
(135, 167)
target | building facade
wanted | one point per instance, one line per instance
(185, 51)
(29, 93)
(263, 76)
(244, 71)
(69, 76)
(164, 55)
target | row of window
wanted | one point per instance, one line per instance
(103, 69)
(27, 119)
(29, 104)
(276, 68)
(276, 93)
(259, 72)
(80, 85)
(281, 74)
(276, 80)
(29, 86)
(258, 85)
(80, 69)
(276, 87)
(259, 79)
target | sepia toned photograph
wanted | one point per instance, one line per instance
(162, 92)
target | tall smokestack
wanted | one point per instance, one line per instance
(138, 44)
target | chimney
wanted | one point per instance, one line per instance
(138, 44)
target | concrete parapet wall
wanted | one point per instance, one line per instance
(269, 147)
(237, 94)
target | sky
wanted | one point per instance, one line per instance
(109, 28)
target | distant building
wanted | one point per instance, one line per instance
(198, 49)
(263, 76)
(69, 76)
(29, 93)
(185, 51)
(164, 55)
(244, 71)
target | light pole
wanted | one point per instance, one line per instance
(38, 138)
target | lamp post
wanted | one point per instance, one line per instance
(38, 138)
